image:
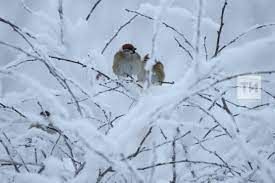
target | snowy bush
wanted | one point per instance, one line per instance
(65, 117)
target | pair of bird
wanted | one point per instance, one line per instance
(128, 63)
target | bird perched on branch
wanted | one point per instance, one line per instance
(127, 62)
(158, 74)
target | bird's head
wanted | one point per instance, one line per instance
(158, 66)
(128, 48)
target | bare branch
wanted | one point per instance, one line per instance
(93, 8)
(183, 161)
(102, 174)
(174, 158)
(257, 27)
(19, 155)
(211, 116)
(242, 74)
(111, 122)
(20, 63)
(220, 158)
(141, 144)
(17, 29)
(197, 34)
(21, 33)
(185, 49)
(205, 48)
(13, 109)
(117, 32)
(92, 68)
(166, 142)
(220, 29)
(165, 24)
(10, 156)
(61, 18)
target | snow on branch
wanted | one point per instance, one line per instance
(65, 117)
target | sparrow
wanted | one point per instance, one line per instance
(158, 74)
(127, 62)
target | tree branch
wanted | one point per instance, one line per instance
(93, 8)
(117, 32)
(220, 29)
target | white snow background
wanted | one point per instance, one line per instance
(104, 129)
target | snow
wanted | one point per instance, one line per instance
(107, 129)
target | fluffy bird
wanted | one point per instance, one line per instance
(127, 62)
(158, 74)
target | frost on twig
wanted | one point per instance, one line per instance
(185, 49)
(197, 33)
(61, 18)
(56, 125)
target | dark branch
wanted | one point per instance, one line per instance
(185, 49)
(117, 32)
(13, 109)
(220, 29)
(245, 33)
(93, 8)
(242, 74)
(10, 156)
(141, 144)
(61, 18)
(102, 174)
(205, 48)
(165, 24)
(183, 161)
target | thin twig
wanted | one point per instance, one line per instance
(21, 33)
(9, 154)
(257, 27)
(93, 8)
(205, 48)
(19, 155)
(13, 109)
(165, 24)
(86, 66)
(20, 63)
(220, 158)
(211, 116)
(56, 142)
(117, 32)
(166, 142)
(183, 161)
(185, 49)
(80, 168)
(220, 29)
(102, 174)
(242, 74)
(162, 133)
(140, 144)
(197, 33)
(167, 82)
(61, 18)
(174, 158)
(111, 122)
